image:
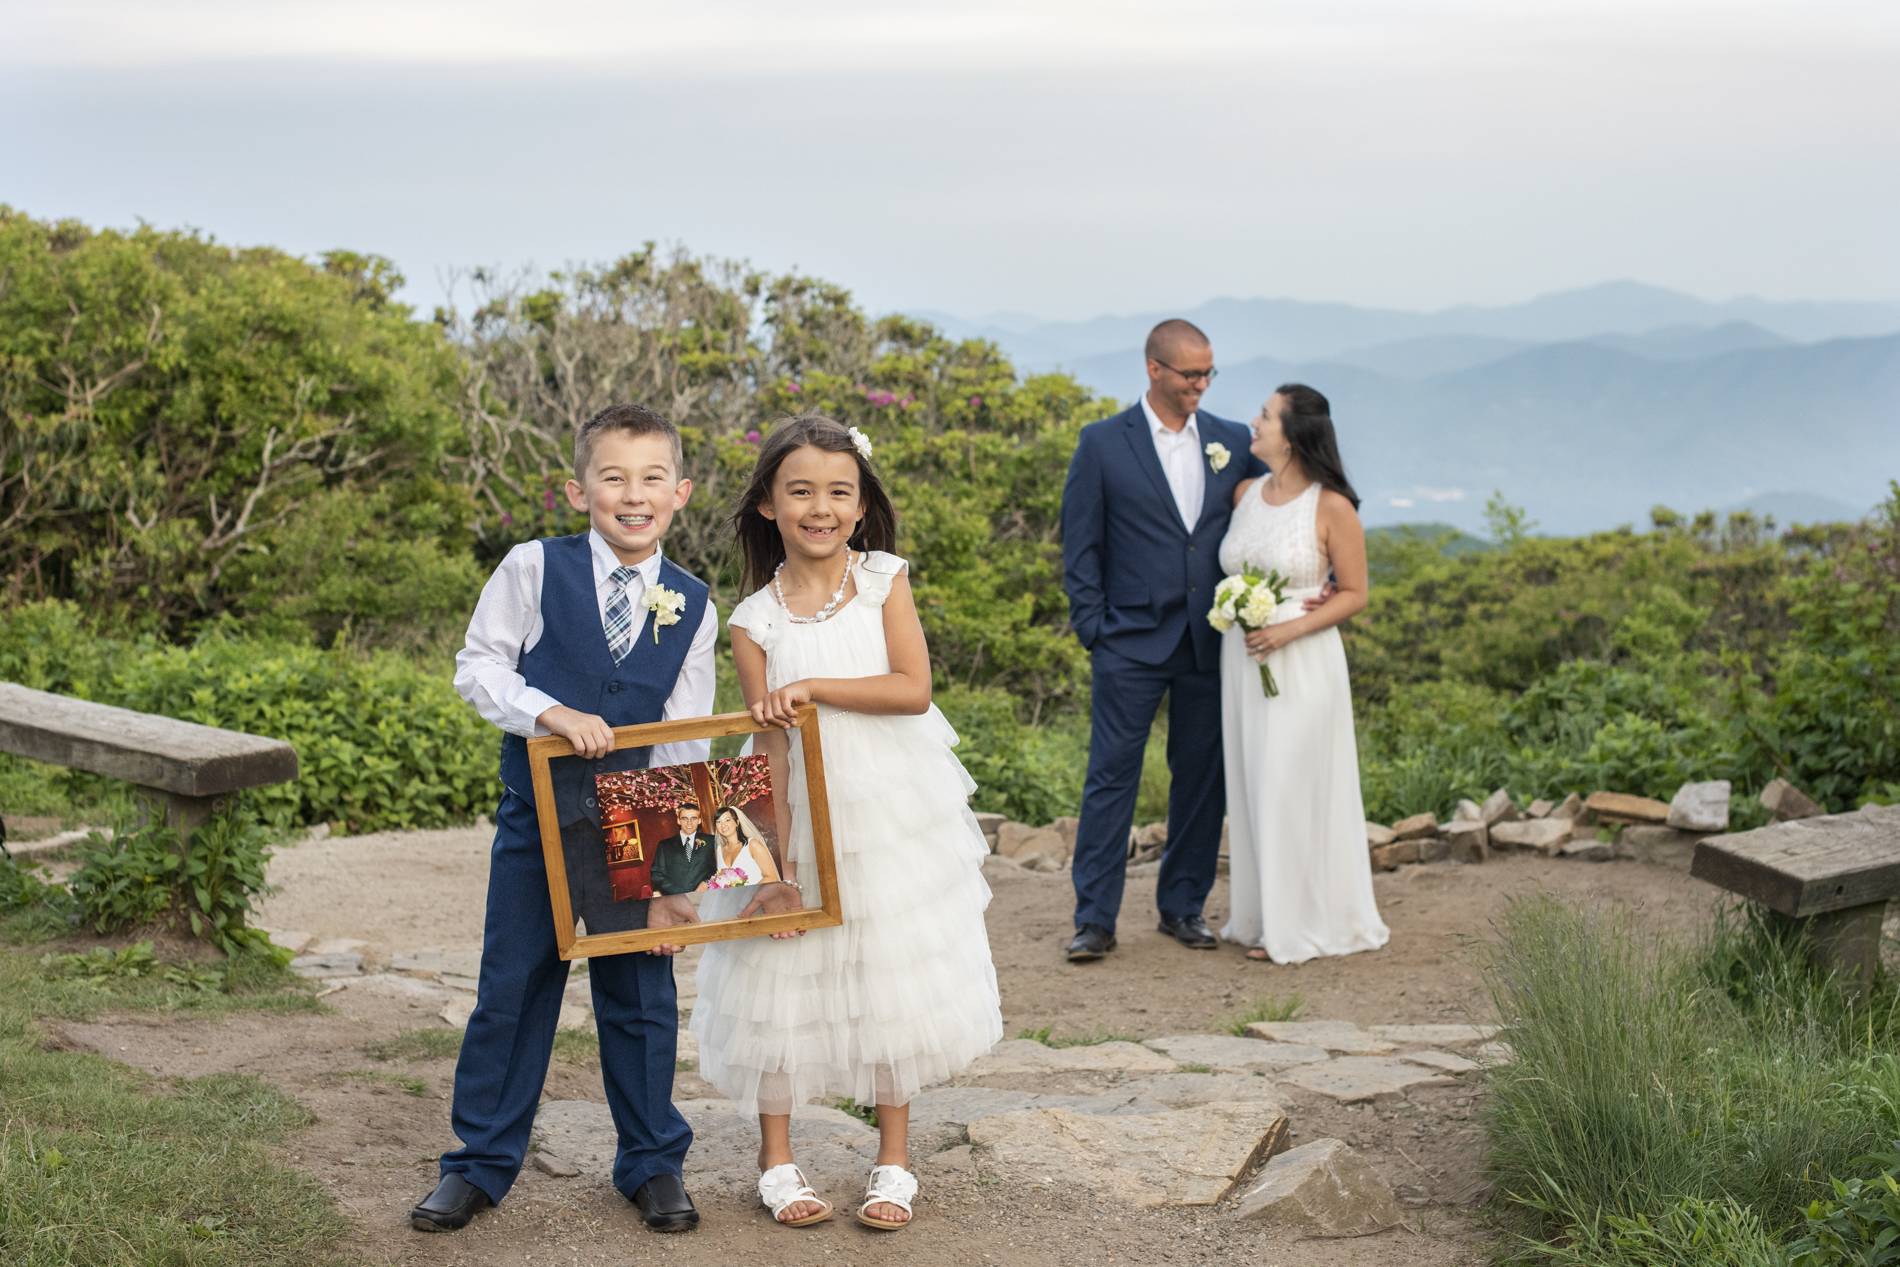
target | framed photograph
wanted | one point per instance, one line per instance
(710, 832)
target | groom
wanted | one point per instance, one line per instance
(1143, 513)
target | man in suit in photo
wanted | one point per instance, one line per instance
(684, 862)
(1146, 504)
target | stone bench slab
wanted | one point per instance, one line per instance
(1810, 866)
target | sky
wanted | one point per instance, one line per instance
(1061, 158)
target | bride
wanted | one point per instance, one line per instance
(1302, 880)
(741, 849)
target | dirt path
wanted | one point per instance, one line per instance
(376, 1139)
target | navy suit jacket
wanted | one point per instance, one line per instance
(1136, 577)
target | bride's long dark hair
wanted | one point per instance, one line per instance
(1307, 424)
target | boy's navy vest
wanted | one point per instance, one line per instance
(571, 662)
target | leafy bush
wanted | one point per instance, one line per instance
(1033, 774)
(134, 877)
(1861, 1225)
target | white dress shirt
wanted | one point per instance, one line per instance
(507, 624)
(1181, 458)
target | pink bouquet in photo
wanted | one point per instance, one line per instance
(728, 878)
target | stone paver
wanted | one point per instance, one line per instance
(323, 967)
(1357, 1079)
(1021, 1056)
(1342, 1037)
(937, 1113)
(1321, 1189)
(1443, 1061)
(1185, 1090)
(432, 962)
(1224, 1051)
(1434, 1035)
(1185, 1157)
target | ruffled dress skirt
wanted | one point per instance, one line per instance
(903, 994)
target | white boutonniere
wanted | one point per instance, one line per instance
(666, 605)
(1217, 456)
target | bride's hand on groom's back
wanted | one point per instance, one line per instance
(1326, 593)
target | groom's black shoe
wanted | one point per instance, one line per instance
(1191, 931)
(453, 1203)
(665, 1206)
(1092, 941)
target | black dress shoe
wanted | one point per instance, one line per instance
(1092, 941)
(665, 1206)
(1191, 931)
(453, 1203)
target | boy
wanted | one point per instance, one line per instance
(561, 643)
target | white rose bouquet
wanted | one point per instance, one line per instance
(1249, 600)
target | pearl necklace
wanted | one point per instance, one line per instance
(829, 608)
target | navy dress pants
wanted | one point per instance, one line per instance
(1126, 696)
(510, 1037)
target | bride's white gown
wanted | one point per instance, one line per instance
(1302, 880)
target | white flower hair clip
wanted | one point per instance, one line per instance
(863, 442)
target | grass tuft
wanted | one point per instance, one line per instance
(407, 1084)
(1668, 1084)
(417, 1044)
(576, 1046)
(1270, 1008)
(1087, 1038)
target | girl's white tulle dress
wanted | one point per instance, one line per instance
(903, 995)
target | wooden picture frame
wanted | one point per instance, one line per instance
(828, 913)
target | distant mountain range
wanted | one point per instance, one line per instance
(1587, 407)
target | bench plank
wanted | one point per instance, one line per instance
(174, 756)
(1809, 866)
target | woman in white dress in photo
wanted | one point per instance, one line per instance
(1302, 879)
(741, 849)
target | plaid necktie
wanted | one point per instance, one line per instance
(620, 615)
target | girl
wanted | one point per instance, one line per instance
(903, 995)
(742, 849)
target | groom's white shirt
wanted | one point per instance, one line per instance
(1180, 454)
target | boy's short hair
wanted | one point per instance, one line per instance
(683, 806)
(628, 420)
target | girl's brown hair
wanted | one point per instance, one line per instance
(761, 548)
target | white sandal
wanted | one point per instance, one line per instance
(785, 1185)
(889, 1185)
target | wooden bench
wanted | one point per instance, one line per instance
(1836, 873)
(182, 768)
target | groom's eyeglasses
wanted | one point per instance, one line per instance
(1202, 377)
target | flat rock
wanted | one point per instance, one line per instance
(1540, 809)
(321, 967)
(1664, 846)
(1498, 808)
(1185, 1090)
(1570, 807)
(1435, 1035)
(1622, 808)
(1466, 841)
(1417, 827)
(988, 823)
(1494, 1053)
(1587, 849)
(1224, 1051)
(1700, 807)
(1378, 834)
(1467, 811)
(1395, 855)
(1546, 835)
(433, 962)
(552, 1164)
(834, 1148)
(941, 1111)
(459, 1008)
(1321, 1189)
(1185, 1157)
(1019, 1056)
(393, 986)
(1787, 802)
(1334, 1036)
(1443, 1061)
(1019, 840)
(1357, 1079)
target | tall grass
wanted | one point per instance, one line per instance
(1648, 1072)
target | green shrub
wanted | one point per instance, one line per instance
(134, 877)
(1031, 773)
(1860, 1226)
